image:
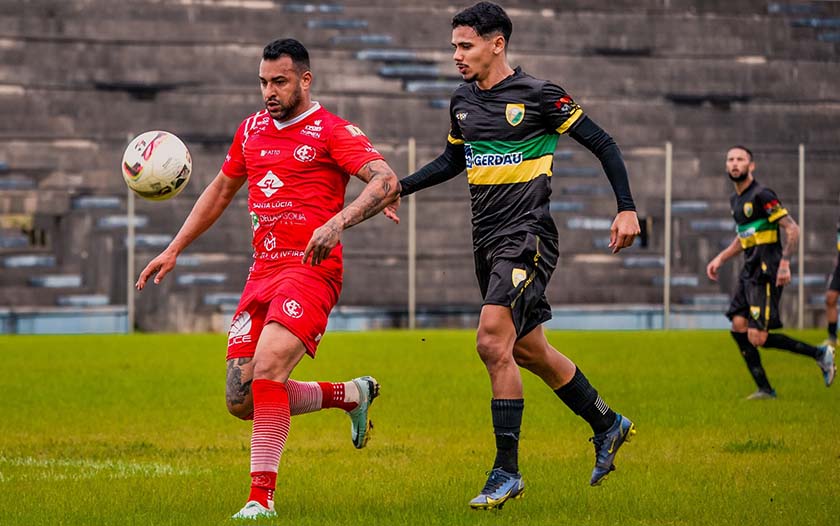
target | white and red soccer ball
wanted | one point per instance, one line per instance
(156, 165)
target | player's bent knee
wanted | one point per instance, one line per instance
(757, 337)
(242, 411)
(492, 350)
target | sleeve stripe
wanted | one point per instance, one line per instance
(573, 118)
(453, 140)
(778, 214)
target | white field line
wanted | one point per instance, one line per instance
(81, 469)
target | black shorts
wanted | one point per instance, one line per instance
(834, 284)
(515, 273)
(757, 299)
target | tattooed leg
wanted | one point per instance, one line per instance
(240, 373)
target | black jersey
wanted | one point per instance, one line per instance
(757, 212)
(509, 133)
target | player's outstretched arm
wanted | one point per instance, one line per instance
(625, 228)
(727, 253)
(446, 166)
(207, 209)
(382, 189)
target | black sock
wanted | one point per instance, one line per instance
(780, 341)
(507, 420)
(583, 399)
(753, 359)
(832, 330)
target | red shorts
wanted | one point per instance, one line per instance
(299, 298)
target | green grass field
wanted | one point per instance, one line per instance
(133, 430)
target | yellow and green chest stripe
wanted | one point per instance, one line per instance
(758, 232)
(507, 162)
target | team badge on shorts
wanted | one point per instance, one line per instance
(514, 113)
(517, 276)
(748, 209)
(292, 308)
(755, 312)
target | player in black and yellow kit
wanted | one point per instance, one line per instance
(831, 296)
(504, 128)
(754, 310)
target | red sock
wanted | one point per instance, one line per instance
(334, 396)
(271, 427)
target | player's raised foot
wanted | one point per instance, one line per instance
(501, 486)
(255, 510)
(826, 362)
(606, 447)
(763, 394)
(360, 424)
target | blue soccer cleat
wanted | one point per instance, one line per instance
(501, 486)
(826, 363)
(360, 424)
(606, 447)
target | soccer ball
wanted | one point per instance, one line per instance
(156, 165)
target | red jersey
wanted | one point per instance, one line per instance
(297, 175)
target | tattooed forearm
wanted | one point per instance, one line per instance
(791, 236)
(381, 190)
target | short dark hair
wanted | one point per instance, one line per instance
(292, 49)
(486, 18)
(740, 147)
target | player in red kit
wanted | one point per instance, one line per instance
(297, 158)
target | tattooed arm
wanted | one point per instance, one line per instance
(791, 239)
(382, 188)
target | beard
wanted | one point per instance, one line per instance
(738, 179)
(284, 110)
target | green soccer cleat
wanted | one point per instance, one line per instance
(255, 510)
(360, 424)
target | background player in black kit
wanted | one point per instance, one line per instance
(831, 296)
(504, 128)
(754, 310)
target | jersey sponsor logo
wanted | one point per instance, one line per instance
(269, 153)
(748, 209)
(270, 242)
(292, 308)
(517, 276)
(289, 218)
(313, 130)
(353, 130)
(240, 329)
(305, 153)
(514, 113)
(274, 204)
(255, 221)
(491, 159)
(461, 115)
(270, 184)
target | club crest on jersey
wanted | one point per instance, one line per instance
(270, 184)
(292, 308)
(748, 209)
(461, 115)
(305, 153)
(514, 113)
(517, 276)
